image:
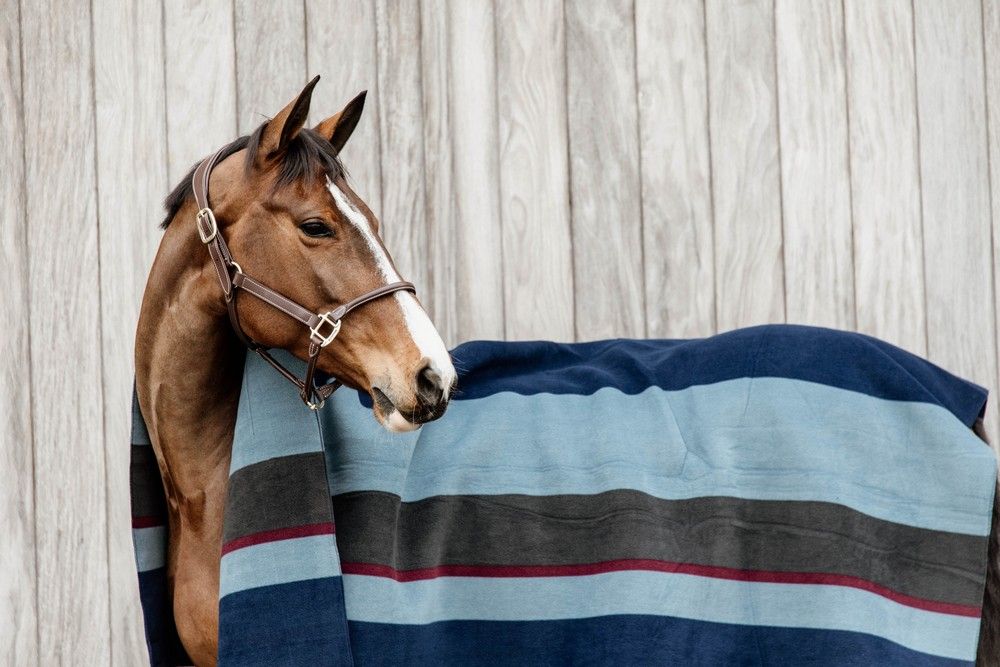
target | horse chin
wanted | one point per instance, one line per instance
(388, 415)
(397, 423)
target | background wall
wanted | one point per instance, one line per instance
(572, 170)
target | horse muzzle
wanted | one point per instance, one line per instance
(427, 400)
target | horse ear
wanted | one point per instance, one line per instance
(286, 124)
(339, 127)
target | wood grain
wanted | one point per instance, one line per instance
(132, 179)
(955, 191)
(604, 168)
(749, 273)
(401, 140)
(348, 66)
(461, 168)
(560, 170)
(676, 170)
(18, 613)
(200, 81)
(815, 179)
(64, 298)
(885, 186)
(270, 58)
(534, 176)
(991, 44)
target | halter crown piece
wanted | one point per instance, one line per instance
(323, 327)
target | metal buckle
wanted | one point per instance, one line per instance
(317, 337)
(206, 213)
(315, 406)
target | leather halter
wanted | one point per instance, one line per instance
(323, 327)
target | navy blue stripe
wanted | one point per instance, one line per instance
(162, 643)
(298, 623)
(623, 640)
(835, 358)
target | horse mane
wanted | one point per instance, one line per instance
(307, 153)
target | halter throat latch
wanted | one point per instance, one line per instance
(323, 327)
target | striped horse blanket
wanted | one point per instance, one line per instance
(778, 495)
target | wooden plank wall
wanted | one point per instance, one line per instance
(567, 169)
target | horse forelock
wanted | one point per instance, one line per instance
(307, 155)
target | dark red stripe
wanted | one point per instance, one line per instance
(146, 521)
(307, 530)
(759, 576)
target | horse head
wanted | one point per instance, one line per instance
(281, 200)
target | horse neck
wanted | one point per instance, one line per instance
(188, 370)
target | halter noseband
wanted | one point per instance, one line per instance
(323, 327)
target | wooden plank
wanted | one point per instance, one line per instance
(70, 480)
(746, 189)
(347, 66)
(401, 140)
(534, 171)
(461, 168)
(991, 44)
(201, 81)
(955, 191)
(676, 172)
(270, 58)
(604, 167)
(18, 613)
(815, 181)
(131, 139)
(885, 189)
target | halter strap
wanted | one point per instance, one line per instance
(323, 327)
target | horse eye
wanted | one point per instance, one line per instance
(316, 229)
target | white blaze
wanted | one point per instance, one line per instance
(422, 330)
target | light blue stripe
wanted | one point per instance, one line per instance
(150, 547)
(139, 434)
(382, 600)
(272, 420)
(279, 562)
(760, 438)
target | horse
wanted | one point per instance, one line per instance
(281, 201)
(281, 208)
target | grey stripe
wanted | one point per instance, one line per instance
(788, 536)
(278, 493)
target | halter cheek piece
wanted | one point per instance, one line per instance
(323, 327)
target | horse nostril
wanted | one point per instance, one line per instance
(430, 387)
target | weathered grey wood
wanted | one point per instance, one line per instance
(816, 184)
(132, 181)
(955, 191)
(534, 175)
(461, 168)
(552, 170)
(401, 140)
(270, 58)
(66, 381)
(200, 80)
(746, 188)
(604, 168)
(676, 172)
(341, 43)
(991, 38)
(18, 614)
(885, 189)
(438, 169)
